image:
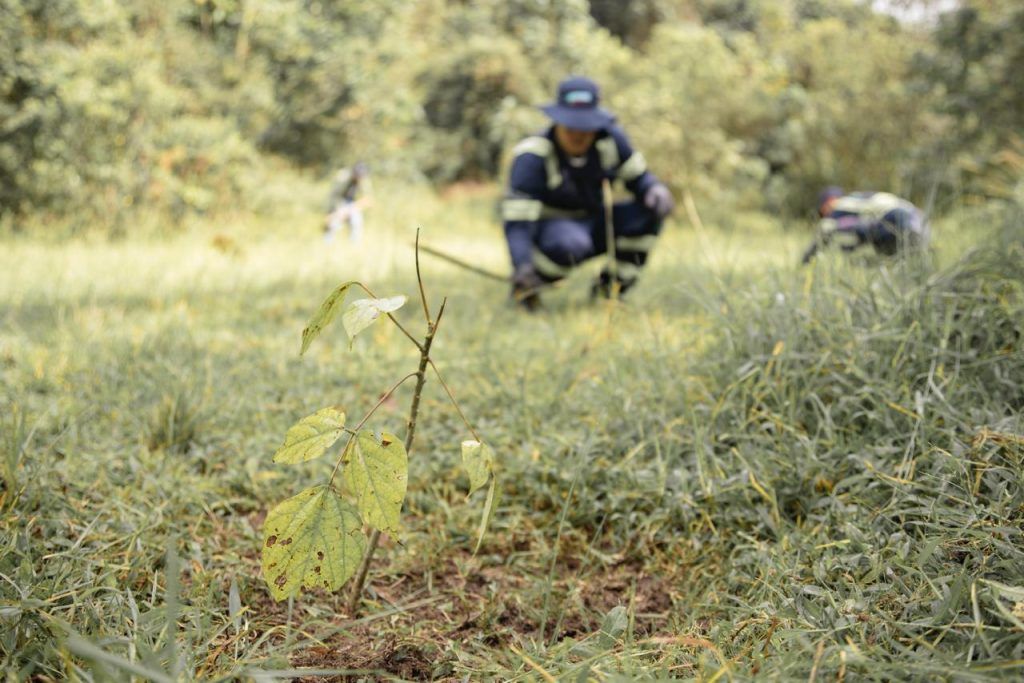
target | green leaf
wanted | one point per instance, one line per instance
(235, 606)
(485, 519)
(613, 626)
(363, 312)
(478, 459)
(312, 539)
(376, 472)
(311, 436)
(325, 315)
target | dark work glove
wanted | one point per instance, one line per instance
(526, 278)
(525, 285)
(810, 252)
(659, 200)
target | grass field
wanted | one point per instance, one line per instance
(747, 470)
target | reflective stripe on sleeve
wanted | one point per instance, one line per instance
(608, 152)
(516, 209)
(633, 167)
(534, 144)
(545, 149)
(873, 206)
(548, 268)
(883, 202)
(643, 243)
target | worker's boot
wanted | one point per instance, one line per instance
(526, 285)
(605, 286)
(528, 299)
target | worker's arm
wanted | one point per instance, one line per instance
(633, 172)
(849, 231)
(521, 208)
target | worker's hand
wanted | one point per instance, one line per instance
(810, 252)
(659, 200)
(526, 278)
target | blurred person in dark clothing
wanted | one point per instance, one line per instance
(880, 219)
(553, 210)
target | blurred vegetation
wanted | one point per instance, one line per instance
(750, 472)
(188, 106)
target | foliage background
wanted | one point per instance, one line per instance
(109, 110)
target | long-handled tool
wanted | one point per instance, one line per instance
(489, 274)
(463, 264)
(609, 234)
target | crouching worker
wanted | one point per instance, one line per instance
(882, 220)
(553, 209)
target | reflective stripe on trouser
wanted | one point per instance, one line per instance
(561, 244)
(520, 209)
(631, 256)
(636, 231)
(548, 269)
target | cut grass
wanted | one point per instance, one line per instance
(772, 471)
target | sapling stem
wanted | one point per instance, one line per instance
(324, 525)
(421, 377)
(410, 434)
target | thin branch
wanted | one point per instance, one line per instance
(367, 290)
(353, 432)
(406, 332)
(455, 403)
(419, 279)
(444, 302)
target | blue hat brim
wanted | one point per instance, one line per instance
(579, 119)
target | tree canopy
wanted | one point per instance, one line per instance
(183, 105)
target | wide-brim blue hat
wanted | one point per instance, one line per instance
(830, 192)
(577, 106)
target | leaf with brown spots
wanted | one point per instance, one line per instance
(312, 539)
(311, 436)
(376, 473)
(326, 314)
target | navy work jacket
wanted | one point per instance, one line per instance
(545, 183)
(867, 213)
